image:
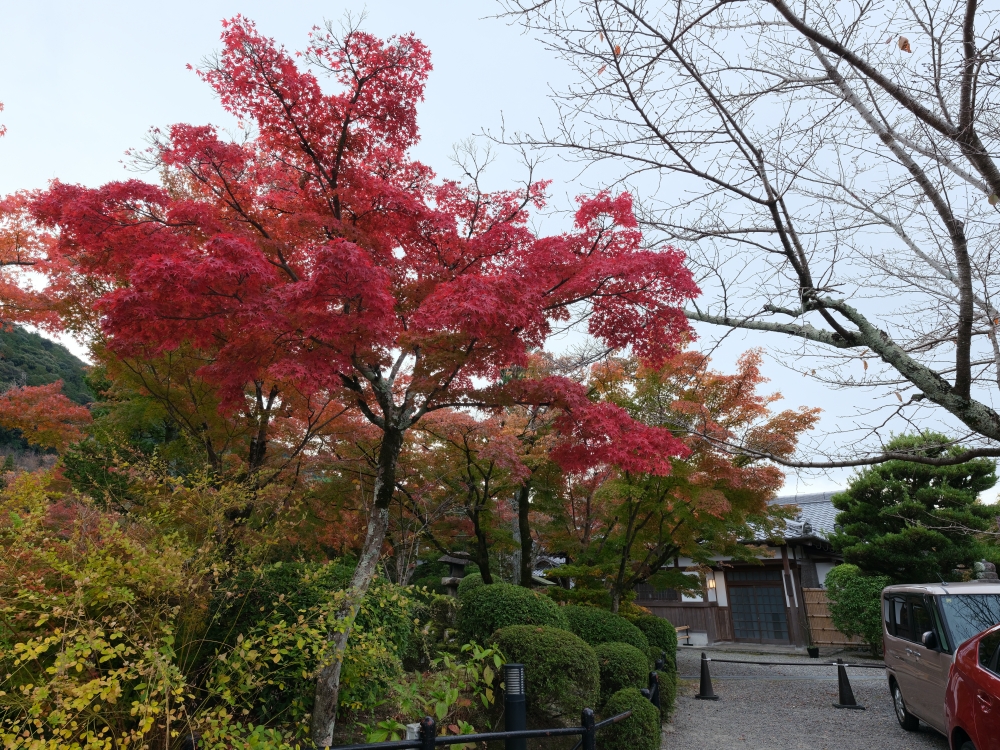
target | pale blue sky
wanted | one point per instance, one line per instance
(82, 82)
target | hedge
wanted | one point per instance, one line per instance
(486, 609)
(600, 626)
(662, 636)
(640, 731)
(621, 666)
(562, 676)
(668, 692)
(469, 582)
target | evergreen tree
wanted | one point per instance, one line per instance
(912, 522)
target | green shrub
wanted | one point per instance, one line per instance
(621, 666)
(486, 609)
(640, 731)
(668, 692)
(561, 672)
(856, 603)
(600, 626)
(286, 605)
(662, 636)
(471, 581)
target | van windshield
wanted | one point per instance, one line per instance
(970, 614)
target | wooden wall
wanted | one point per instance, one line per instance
(708, 618)
(820, 624)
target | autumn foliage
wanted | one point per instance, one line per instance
(44, 415)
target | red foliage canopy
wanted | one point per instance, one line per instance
(317, 252)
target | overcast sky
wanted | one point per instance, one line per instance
(83, 82)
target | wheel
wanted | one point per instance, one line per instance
(967, 746)
(907, 721)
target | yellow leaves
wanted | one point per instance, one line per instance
(865, 363)
(618, 50)
(899, 396)
(904, 44)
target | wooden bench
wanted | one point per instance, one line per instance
(683, 632)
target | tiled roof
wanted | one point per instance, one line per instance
(817, 515)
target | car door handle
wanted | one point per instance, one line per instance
(985, 702)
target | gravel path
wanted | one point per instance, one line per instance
(785, 708)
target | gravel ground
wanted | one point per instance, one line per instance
(785, 708)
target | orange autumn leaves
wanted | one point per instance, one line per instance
(44, 415)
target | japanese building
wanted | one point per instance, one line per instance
(779, 601)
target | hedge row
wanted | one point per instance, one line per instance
(575, 657)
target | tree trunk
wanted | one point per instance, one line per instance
(324, 715)
(482, 548)
(524, 528)
(616, 599)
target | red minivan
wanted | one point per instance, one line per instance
(972, 699)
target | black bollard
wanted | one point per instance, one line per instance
(661, 663)
(846, 696)
(515, 710)
(190, 741)
(654, 689)
(705, 693)
(589, 739)
(428, 731)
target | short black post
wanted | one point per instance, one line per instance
(661, 663)
(190, 741)
(428, 731)
(654, 689)
(705, 692)
(589, 739)
(515, 710)
(846, 696)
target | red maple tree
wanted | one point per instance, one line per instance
(316, 255)
(43, 414)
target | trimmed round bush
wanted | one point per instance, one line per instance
(469, 582)
(486, 609)
(640, 731)
(622, 666)
(600, 626)
(662, 636)
(561, 672)
(668, 692)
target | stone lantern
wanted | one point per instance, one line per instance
(456, 571)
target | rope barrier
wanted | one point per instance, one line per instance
(846, 692)
(798, 664)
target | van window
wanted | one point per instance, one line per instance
(902, 615)
(890, 625)
(969, 614)
(921, 620)
(989, 652)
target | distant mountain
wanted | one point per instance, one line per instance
(29, 359)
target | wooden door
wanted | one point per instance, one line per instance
(758, 606)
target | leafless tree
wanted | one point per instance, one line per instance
(830, 167)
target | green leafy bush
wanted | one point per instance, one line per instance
(668, 692)
(856, 604)
(561, 671)
(621, 666)
(488, 608)
(286, 607)
(600, 626)
(469, 582)
(640, 731)
(662, 636)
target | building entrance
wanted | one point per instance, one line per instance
(757, 603)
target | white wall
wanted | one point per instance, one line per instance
(822, 568)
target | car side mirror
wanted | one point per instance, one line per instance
(929, 639)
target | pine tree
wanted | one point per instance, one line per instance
(912, 522)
